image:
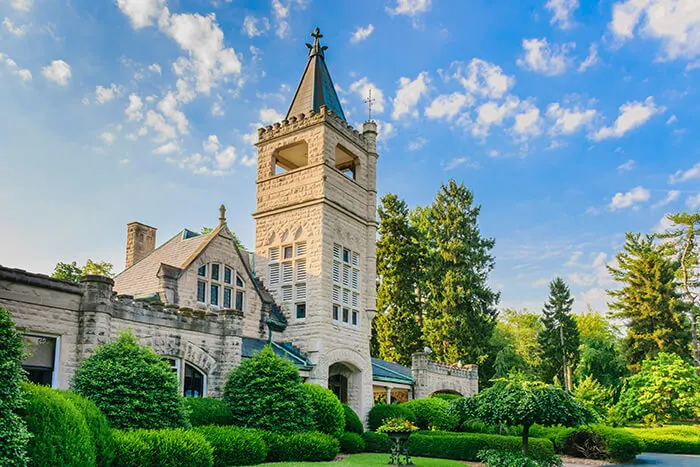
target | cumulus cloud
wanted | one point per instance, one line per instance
(22, 5)
(409, 7)
(460, 162)
(693, 202)
(632, 115)
(417, 144)
(591, 59)
(448, 106)
(362, 86)
(24, 74)
(541, 57)
(108, 137)
(685, 175)
(58, 72)
(133, 110)
(408, 95)
(164, 131)
(103, 94)
(18, 31)
(361, 33)
(627, 166)
(481, 78)
(211, 144)
(567, 121)
(491, 113)
(629, 199)
(562, 11)
(253, 26)
(528, 122)
(268, 116)
(167, 148)
(141, 13)
(169, 108)
(671, 196)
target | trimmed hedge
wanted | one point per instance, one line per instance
(105, 446)
(380, 412)
(208, 411)
(234, 446)
(351, 443)
(60, 435)
(353, 423)
(593, 442)
(678, 439)
(465, 446)
(432, 413)
(376, 442)
(476, 426)
(310, 446)
(446, 396)
(162, 448)
(327, 411)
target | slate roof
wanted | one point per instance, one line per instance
(252, 345)
(391, 372)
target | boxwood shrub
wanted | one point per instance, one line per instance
(310, 446)
(432, 413)
(593, 442)
(465, 446)
(234, 446)
(376, 442)
(208, 411)
(162, 448)
(353, 423)
(60, 435)
(351, 443)
(380, 412)
(446, 396)
(327, 411)
(669, 439)
(105, 446)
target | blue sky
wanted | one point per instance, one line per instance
(572, 121)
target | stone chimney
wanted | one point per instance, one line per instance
(140, 241)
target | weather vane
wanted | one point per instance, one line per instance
(369, 101)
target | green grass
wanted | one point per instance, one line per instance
(371, 460)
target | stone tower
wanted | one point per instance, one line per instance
(316, 231)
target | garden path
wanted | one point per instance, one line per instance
(666, 460)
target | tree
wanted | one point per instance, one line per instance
(265, 392)
(515, 343)
(13, 430)
(685, 243)
(72, 272)
(649, 301)
(599, 353)
(132, 385)
(518, 402)
(460, 308)
(594, 395)
(666, 388)
(399, 320)
(327, 411)
(559, 339)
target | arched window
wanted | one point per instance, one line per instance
(339, 385)
(195, 382)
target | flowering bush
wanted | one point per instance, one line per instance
(397, 424)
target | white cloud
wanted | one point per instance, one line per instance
(632, 115)
(591, 60)
(59, 72)
(685, 175)
(103, 94)
(671, 119)
(108, 137)
(26, 75)
(562, 11)
(212, 144)
(629, 199)
(249, 161)
(169, 107)
(157, 122)
(385, 131)
(491, 113)
(461, 161)
(595, 297)
(417, 144)
(448, 105)
(361, 33)
(693, 202)
(216, 109)
(141, 13)
(155, 68)
(664, 224)
(676, 23)
(225, 158)
(268, 116)
(573, 259)
(541, 58)
(254, 27)
(362, 86)
(627, 166)
(671, 196)
(22, 5)
(408, 94)
(569, 121)
(481, 78)
(280, 12)
(133, 110)
(167, 148)
(528, 123)
(409, 7)
(18, 31)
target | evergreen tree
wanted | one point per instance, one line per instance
(459, 313)
(649, 301)
(559, 340)
(599, 353)
(398, 322)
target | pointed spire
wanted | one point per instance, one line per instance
(316, 88)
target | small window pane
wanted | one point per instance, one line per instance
(336, 313)
(227, 297)
(355, 300)
(336, 294)
(239, 281)
(214, 297)
(274, 254)
(346, 275)
(215, 271)
(287, 293)
(336, 251)
(201, 292)
(300, 292)
(274, 274)
(287, 272)
(301, 270)
(336, 272)
(301, 248)
(194, 382)
(355, 317)
(301, 310)
(346, 315)
(346, 297)
(355, 259)
(39, 361)
(346, 256)
(228, 274)
(202, 271)
(239, 300)
(288, 252)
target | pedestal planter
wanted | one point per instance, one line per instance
(399, 447)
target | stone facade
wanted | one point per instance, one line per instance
(433, 377)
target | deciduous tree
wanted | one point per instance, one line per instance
(72, 272)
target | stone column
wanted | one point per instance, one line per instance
(388, 394)
(95, 314)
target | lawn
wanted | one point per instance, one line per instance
(371, 460)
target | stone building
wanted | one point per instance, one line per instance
(203, 303)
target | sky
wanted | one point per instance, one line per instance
(571, 120)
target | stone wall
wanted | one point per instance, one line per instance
(431, 377)
(86, 315)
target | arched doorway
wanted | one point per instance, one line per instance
(345, 380)
(339, 385)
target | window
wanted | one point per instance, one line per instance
(214, 297)
(287, 293)
(274, 254)
(215, 269)
(355, 316)
(286, 273)
(301, 271)
(301, 311)
(202, 271)
(291, 157)
(274, 274)
(40, 361)
(201, 292)
(339, 385)
(239, 281)
(346, 286)
(300, 292)
(336, 313)
(346, 256)
(195, 382)
(300, 249)
(287, 252)
(346, 315)
(239, 300)
(227, 275)
(227, 297)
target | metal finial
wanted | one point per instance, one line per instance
(222, 214)
(317, 48)
(369, 101)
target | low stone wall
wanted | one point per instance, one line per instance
(431, 377)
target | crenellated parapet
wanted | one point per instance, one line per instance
(435, 377)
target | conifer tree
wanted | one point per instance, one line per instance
(398, 321)
(649, 301)
(460, 308)
(559, 340)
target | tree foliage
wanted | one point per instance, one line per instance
(132, 385)
(599, 353)
(594, 395)
(515, 344)
(649, 301)
(327, 411)
(72, 272)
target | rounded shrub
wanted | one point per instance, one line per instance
(162, 448)
(674, 439)
(208, 411)
(301, 447)
(353, 423)
(13, 430)
(446, 396)
(432, 413)
(376, 442)
(351, 443)
(381, 412)
(327, 411)
(265, 392)
(234, 446)
(602, 442)
(131, 385)
(60, 435)
(105, 445)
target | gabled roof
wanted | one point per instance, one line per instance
(316, 88)
(391, 372)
